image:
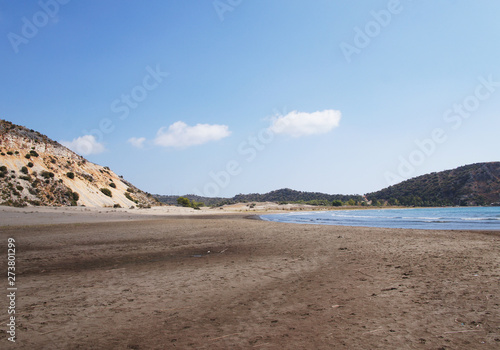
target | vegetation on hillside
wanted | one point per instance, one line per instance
(475, 184)
(283, 196)
(35, 170)
(185, 202)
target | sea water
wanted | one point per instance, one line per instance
(459, 218)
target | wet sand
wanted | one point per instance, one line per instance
(126, 281)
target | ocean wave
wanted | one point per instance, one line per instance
(423, 218)
(307, 213)
(365, 216)
(481, 219)
(350, 216)
(445, 218)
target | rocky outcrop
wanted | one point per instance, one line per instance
(35, 170)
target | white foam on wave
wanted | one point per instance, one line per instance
(481, 219)
(422, 218)
(352, 216)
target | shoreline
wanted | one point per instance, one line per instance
(28, 216)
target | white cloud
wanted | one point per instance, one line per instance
(137, 142)
(180, 135)
(299, 124)
(84, 145)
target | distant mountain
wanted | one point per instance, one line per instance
(475, 184)
(288, 195)
(35, 170)
(278, 196)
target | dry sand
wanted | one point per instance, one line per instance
(122, 280)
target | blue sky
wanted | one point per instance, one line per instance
(237, 96)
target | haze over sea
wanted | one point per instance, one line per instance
(459, 218)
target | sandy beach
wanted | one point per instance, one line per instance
(219, 279)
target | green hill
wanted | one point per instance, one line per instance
(278, 196)
(475, 184)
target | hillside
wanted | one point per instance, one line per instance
(35, 170)
(475, 184)
(278, 196)
(288, 195)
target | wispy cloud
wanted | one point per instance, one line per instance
(299, 124)
(180, 135)
(84, 145)
(137, 142)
